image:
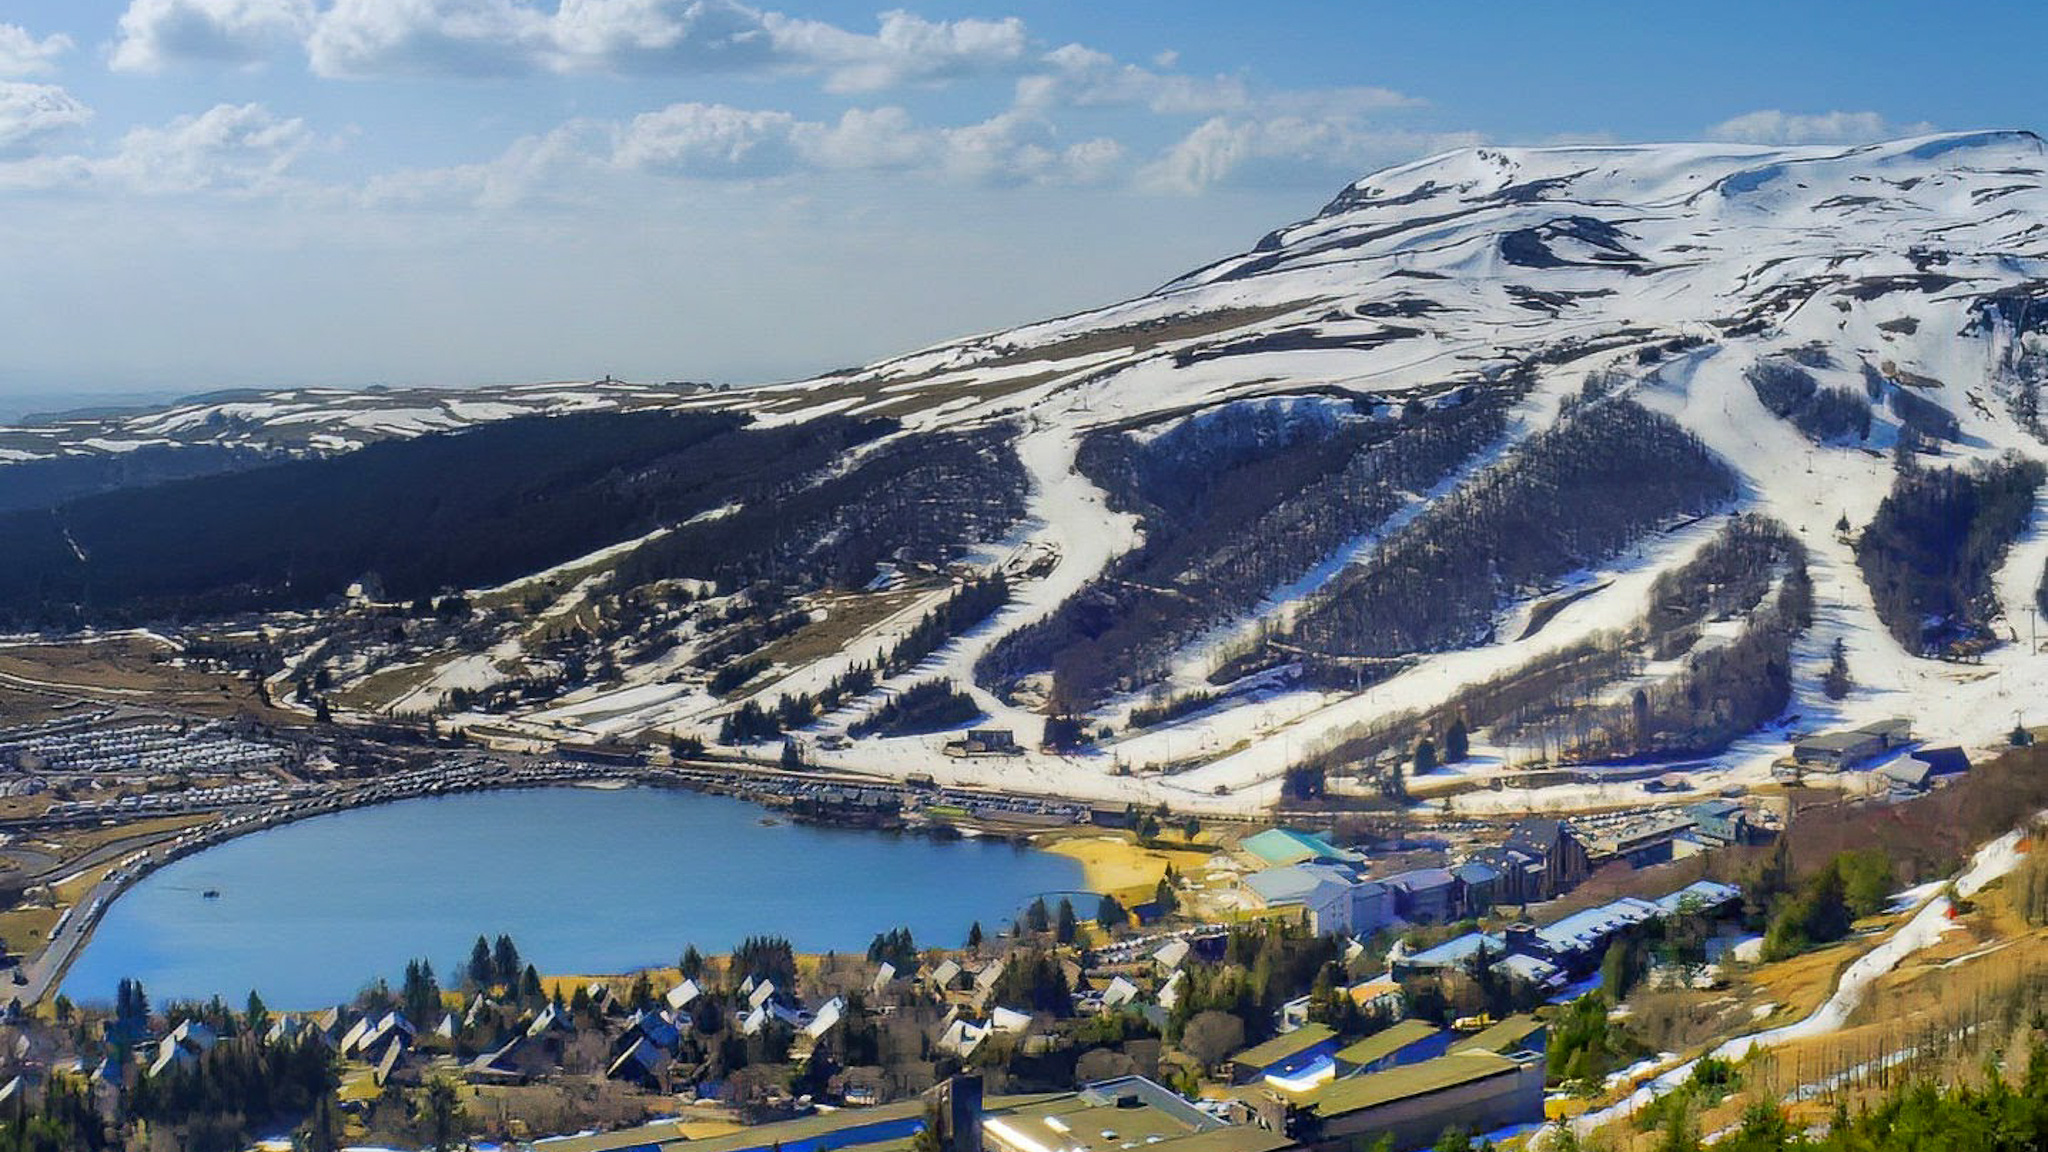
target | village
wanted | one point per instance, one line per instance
(1254, 986)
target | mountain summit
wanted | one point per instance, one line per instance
(1590, 454)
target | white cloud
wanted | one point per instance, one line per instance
(714, 141)
(359, 38)
(155, 34)
(1771, 126)
(21, 54)
(1225, 148)
(906, 48)
(229, 146)
(709, 140)
(29, 112)
(1083, 77)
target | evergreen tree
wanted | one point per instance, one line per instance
(1112, 915)
(1425, 756)
(974, 936)
(692, 963)
(1065, 926)
(1037, 918)
(1835, 682)
(480, 967)
(530, 993)
(505, 961)
(256, 1015)
(1457, 742)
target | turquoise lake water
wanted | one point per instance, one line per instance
(584, 880)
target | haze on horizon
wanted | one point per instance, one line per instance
(201, 194)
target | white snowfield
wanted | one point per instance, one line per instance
(1927, 925)
(1676, 268)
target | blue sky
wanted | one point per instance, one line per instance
(226, 193)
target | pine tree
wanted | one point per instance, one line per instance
(1065, 926)
(505, 961)
(480, 967)
(974, 936)
(1835, 682)
(1425, 756)
(1457, 742)
(1038, 918)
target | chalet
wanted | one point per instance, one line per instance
(1009, 1021)
(985, 742)
(396, 1066)
(640, 1064)
(961, 1038)
(884, 976)
(1119, 993)
(943, 976)
(181, 1047)
(826, 1018)
(1382, 996)
(654, 1027)
(1169, 992)
(1458, 954)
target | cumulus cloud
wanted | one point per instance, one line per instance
(21, 54)
(156, 34)
(1239, 149)
(234, 148)
(1080, 76)
(29, 112)
(905, 48)
(1771, 126)
(709, 140)
(229, 146)
(359, 38)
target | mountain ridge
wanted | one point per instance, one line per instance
(1244, 491)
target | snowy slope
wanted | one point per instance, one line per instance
(1674, 269)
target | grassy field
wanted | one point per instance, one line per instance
(133, 670)
(1115, 864)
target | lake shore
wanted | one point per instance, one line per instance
(307, 914)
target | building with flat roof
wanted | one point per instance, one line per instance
(1286, 1056)
(1410, 1105)
(1406, 1042)
(1107, 1116)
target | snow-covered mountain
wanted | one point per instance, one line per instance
(1593, 453)
(314, 420)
